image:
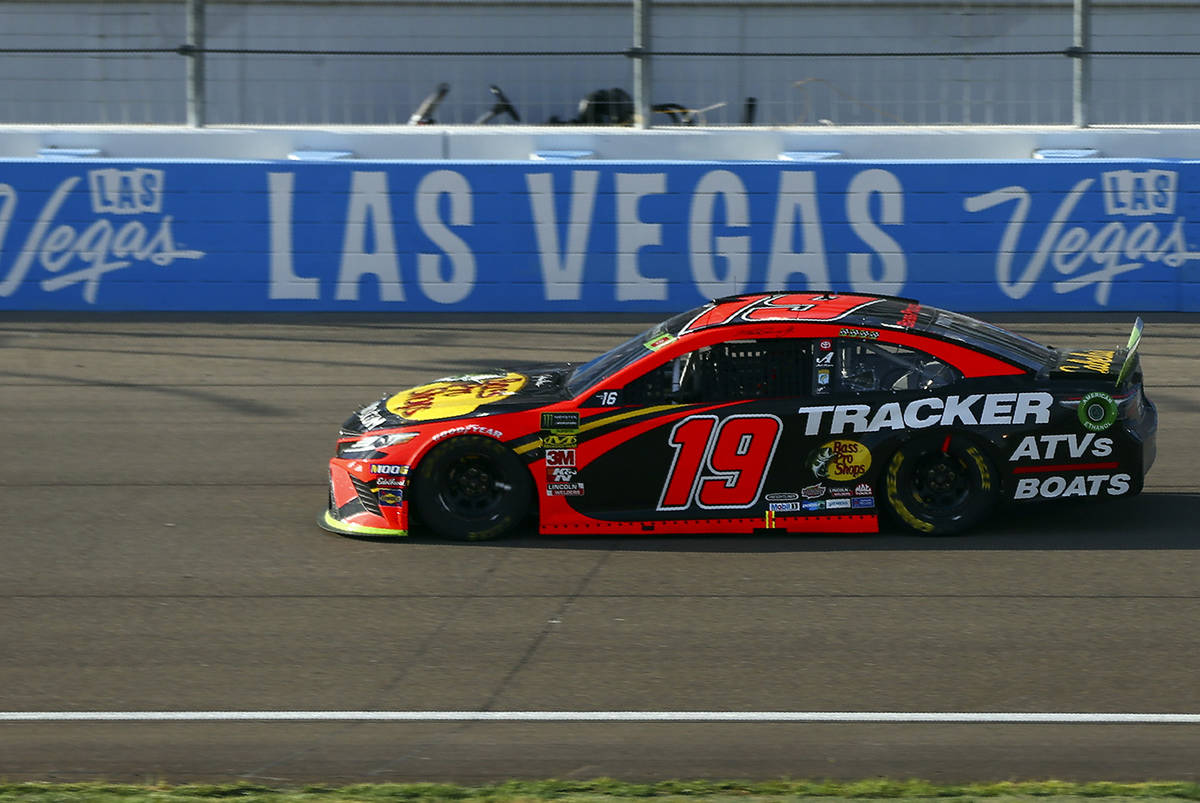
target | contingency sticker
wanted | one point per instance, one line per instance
(454, 396)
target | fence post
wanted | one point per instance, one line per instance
(640, 53)
(194, 50)
(1081, 89)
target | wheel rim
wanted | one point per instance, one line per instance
(941, 483)
(473, 487)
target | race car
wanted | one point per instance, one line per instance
(787, 411)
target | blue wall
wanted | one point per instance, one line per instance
(630, 236)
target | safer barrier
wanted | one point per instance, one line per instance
(591, 235)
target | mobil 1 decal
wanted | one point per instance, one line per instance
(719, 463)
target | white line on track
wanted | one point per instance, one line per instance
(596, 716)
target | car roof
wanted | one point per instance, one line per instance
(848, 309)
(861, 310)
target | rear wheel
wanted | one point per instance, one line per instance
(472, 489)
(941, 484)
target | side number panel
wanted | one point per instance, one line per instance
(719, 464)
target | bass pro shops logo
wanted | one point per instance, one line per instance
(1085, 250)
(128, 227)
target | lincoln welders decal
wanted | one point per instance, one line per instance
(128, 226)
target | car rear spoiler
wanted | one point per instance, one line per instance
(1135, 338)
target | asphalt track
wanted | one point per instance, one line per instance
(158, 552)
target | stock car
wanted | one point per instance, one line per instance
(788, 411)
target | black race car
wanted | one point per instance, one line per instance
(802, 412)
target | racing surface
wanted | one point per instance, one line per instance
(159, 552)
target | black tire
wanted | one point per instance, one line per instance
(472, 488)
(941, 484)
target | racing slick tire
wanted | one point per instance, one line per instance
(941, 484)
(472, 488)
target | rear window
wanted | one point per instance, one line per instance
(981, 334)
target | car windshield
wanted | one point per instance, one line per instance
(1002, 342)
(608, 363)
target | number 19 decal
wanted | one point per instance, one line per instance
(719, 464)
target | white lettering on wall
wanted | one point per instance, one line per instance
(102, 245)
(797, 200)
(1071, 249)
(284, 283)
(863, 188)
(562, 273)
(461, 278)
(369, 214)
(633, 234)
(703, 247)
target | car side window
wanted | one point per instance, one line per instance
(730, 371)
(867, 366)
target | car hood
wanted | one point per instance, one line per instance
(468, 396)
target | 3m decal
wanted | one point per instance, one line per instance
(1084, 485)
(977, 409)
(1097, 411)
(453, 396)
(1046, 447)
(719, 464)
(560, 457)
(1097, 361)
(908, 316)
(840, 460)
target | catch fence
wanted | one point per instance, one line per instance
(640, 62)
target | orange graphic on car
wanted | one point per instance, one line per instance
(453, 396)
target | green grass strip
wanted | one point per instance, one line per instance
(604, 790)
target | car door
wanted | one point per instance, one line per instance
(697, 436)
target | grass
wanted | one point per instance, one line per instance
(605, 790)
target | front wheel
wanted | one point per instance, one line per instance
(941, 484)
(472, 488)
